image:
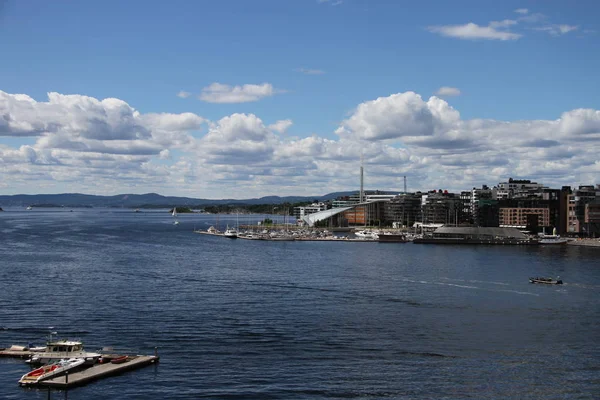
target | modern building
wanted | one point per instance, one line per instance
(578, 202)
(518, 188)
(403, 210)
(300, 212)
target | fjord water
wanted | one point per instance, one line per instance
(290, 320)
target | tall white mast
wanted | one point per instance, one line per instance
(362, 192)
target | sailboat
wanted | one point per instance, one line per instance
(174, 214)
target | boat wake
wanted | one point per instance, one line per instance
(475, 281)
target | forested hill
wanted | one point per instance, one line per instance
(146, 200)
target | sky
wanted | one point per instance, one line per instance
(250, 98)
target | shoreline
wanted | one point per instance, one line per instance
(585, 242)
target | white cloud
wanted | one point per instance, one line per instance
(83, 144)
(221, 93)
(308, 71)
(183, 94)
(396, 116)
(281, 126)
(557, 30)
(522, 11)
(471, 31)
(447, 91)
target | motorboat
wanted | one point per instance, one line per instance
(367, 234)
(61, 349)
(56, 368)
(547, 281)
(230, 233)
(552, 239)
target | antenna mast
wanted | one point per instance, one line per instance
(362, 191)
(404, 184)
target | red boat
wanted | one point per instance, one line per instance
(119, 360)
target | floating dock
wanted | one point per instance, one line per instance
(98, 371)
(16, 352)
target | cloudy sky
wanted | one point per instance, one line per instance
(246, 98)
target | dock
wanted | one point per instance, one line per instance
(98, 371)
(16, 352)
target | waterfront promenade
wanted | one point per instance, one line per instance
(585, 242)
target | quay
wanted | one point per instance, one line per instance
(98, 371)
(585, 242)
(294, 238)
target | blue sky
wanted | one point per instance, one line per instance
(251, 98)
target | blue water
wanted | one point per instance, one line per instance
(238, 319)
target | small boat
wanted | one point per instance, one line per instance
(230, 233)
(52, 370)
(119, 360)
(367, 234)
(548, 281)
(29, 208)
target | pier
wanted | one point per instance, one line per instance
(98, 371)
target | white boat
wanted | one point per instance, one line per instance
(230, 233)
(29, 208)
(174, 214)
(61, 349)
(367, 234)
(51, 370)
(212, 230)
(551, 239)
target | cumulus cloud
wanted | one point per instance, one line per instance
(496, 30)
(221, 93)
(106, 146)
(396, 116)
(183, 94)
(281, 126)
(522, 11)
(447, 91)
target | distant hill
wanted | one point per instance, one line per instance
(146, 200)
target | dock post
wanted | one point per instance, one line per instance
(155, 351)
(67, 377)
(49, 392)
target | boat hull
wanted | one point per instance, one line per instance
(546, 281)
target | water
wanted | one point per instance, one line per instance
(239, 319)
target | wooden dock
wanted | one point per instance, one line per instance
(16, 353)
(99, 371)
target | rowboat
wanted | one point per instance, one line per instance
(119, 360)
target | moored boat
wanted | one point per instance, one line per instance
(230, 233)
(547, 281)
(51, 370)
(61, 349)
(119, 360)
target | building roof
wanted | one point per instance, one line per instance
(321, 215)
(481, 231)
